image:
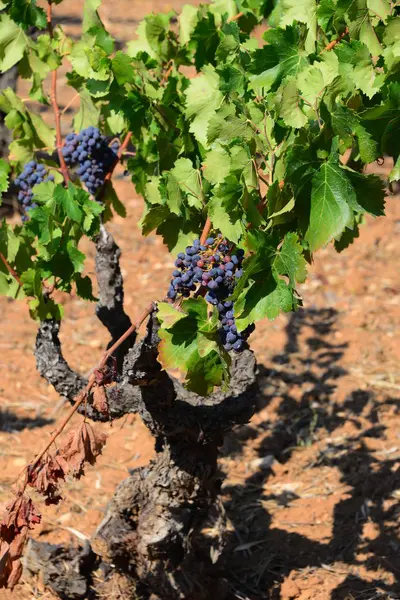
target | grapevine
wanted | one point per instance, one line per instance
(245, 171)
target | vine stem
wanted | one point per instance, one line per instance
(236, 17)
(206, 231)
(335, 42)
(120, 153)
(84, 393)
(10, 269)
(54, 103)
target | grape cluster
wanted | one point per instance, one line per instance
(94, 157)
(32, 174)
(212, 267)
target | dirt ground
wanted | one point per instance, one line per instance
(312, 483)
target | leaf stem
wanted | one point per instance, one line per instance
(10, 269)
(236, 17)
(334, 42)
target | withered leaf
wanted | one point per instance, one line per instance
(21, 515)
(45, 476)
(83, 444)
(100, 400)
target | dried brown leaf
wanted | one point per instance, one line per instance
(21, 515)
(45, 476)
(100, 400)
(83, 444)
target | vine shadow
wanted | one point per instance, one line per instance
(303, 380)
(9, 422)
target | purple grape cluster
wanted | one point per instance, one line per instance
(231, 338)
(32, 174)
(89, 151)
(211, 266)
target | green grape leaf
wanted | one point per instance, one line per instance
(189, 342)
(288, 101)
(90, 15)
(123, 69)
(4, 172)
(290, 260)
(394, 174)
(278, 59)
(188, 20)
(265, 297)
(370, 192)
(216, 165)
(330, 211)
(26, 13)
(9, 243)
(303, 11)
(88, 113)
(13, 43)
(202, 99)
(77, 257)
(189, 181)
(66, 199)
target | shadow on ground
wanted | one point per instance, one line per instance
(304, 378)
(10, 422)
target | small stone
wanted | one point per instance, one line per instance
(265, 462)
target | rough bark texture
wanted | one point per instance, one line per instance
(152, 524)
(110, 307)
(66, 570)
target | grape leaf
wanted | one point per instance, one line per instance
(290, 260)
(188, 20)
(303, 11)
(189, 181)
(4, 171)
(330, 211)
(88, 113)
(13, 42)
(202, 99)
(288, 101)
(65, 197)
(189, 342)
(278, 59)
(216, 165)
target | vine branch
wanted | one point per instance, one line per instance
(92, 379)
(10, 269)
(120, 153)
(335, 42)
(206, 231)
(54, 103)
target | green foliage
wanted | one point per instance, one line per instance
(255, 140)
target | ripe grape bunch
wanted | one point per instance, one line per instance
(213, 268)
(32, 174)
(94, 157)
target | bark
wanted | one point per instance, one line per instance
(157, 510)
(110, 307)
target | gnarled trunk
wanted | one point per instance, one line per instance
(151, 530)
